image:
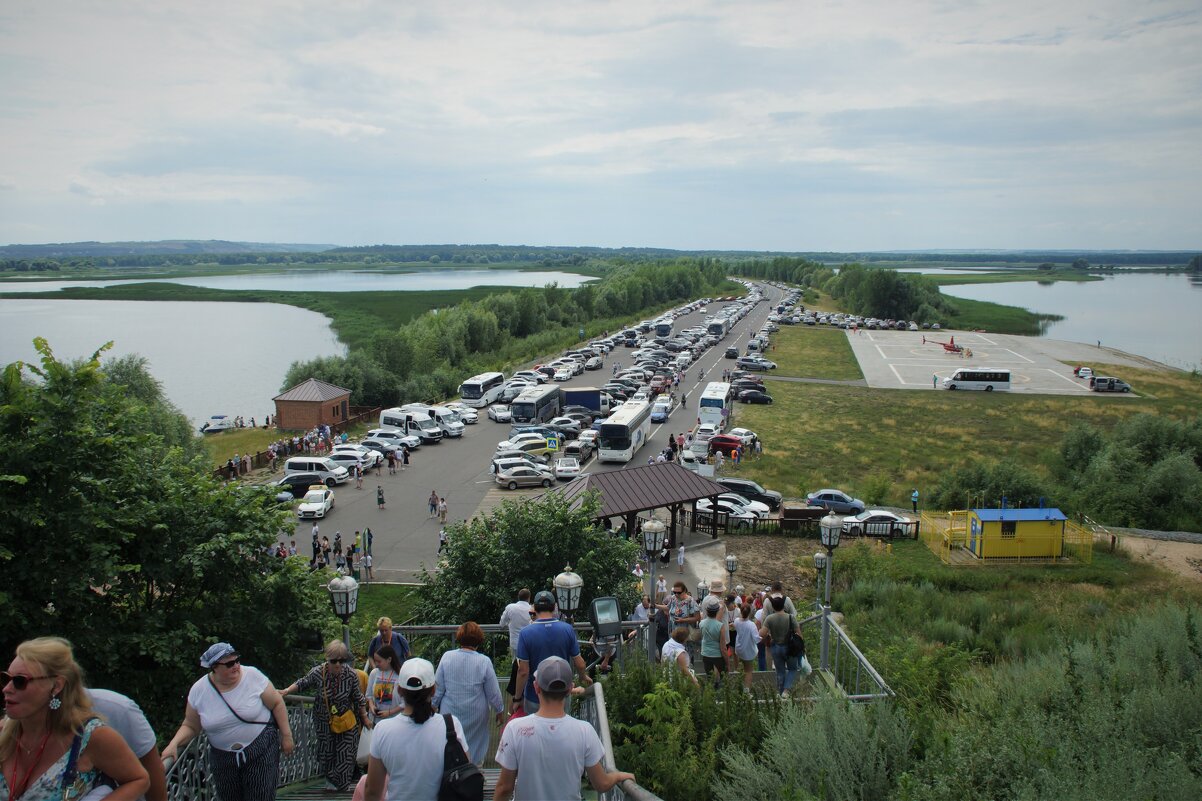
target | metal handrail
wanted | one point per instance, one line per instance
(592, 710)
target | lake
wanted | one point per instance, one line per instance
(337, 280)
(212, 358)
(1154, 315)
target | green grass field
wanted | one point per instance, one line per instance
(879, 443)
(804, 351)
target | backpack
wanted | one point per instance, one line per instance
(461, 780)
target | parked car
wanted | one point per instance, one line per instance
(384, 446)
(567, 468)
(317, 503)
(296, 485)
(755, 363)
(565, 425)
(562, 374)
(595, 363)
(877, 523)
(500, 413)
(752, 490)
(724, 443)
(733, 510)
(746, 435)
(1107, 384)
(516, 477)
(731, 353)
(704, 431)
(466, 413)
(760, 509)
(589, 435)
(536, 459)
(370, 456)
(410, 441)
(836, 501)
(754, 396)
(574, 409)
(507, 463)
(579, 449)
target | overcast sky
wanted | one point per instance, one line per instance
(792, 125)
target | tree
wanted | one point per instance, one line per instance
(525, 544)
(123, 545)
(1080, 264)
(1046, 267)
(1195, 264)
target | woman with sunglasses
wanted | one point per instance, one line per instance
(52, 747)
(246, 722)
(335, 685)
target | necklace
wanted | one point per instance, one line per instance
(18, 789)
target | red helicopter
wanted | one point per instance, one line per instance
(950, 347)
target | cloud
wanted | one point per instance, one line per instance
(341, 128)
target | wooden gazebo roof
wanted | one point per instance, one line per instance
(640, 489)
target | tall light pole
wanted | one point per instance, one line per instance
(344, 599)
(830, 530)
(732, 566)
(654, 532)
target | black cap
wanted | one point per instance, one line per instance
(544, 601)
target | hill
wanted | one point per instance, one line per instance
(165, 247)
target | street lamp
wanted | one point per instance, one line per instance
(830, 529)
(567, 590)
(732, 566)
(344, 599)
(703, 589)
(654, 533)
(820, 564)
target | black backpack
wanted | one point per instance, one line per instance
(461, 780)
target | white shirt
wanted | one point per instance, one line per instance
(517, 615)
(671, 650)
(550, 755)
(224, 729)
(412, 755)
(640, 613)
(747, 639)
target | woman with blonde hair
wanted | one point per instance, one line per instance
(52, 747)
(468, 689)
(338, 710)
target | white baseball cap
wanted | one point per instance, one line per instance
(416, 674)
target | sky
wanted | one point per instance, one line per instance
(797, 125)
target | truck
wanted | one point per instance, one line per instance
(589, 397)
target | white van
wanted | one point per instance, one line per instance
(411, 423)
(446, 419)
(330, 471)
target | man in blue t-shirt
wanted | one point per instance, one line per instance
(544, 637)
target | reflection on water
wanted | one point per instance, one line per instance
(212, 358)
(1154, 315)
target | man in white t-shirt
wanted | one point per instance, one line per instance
(517, 616)
(544, 755)
(123, 714)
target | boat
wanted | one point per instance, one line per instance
(217, 423)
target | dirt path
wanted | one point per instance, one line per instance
(1181, 558)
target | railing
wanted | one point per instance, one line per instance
(591, 709)
(263, 458)
(189, 776)
(847, 667)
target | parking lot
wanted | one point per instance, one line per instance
(902, 360)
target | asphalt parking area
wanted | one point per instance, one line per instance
(918, 360)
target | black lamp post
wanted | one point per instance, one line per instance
(830, 529)
(654, 533)
(567, 591)
(732, 566)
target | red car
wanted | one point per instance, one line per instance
(724, 443)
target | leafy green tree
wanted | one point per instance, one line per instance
(520, 545)
(131, 550)
(1080, 264)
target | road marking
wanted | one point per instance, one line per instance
(1076, 386)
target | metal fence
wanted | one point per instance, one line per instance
(189, 777)
(849, 669)
(948, 537)
(591, 709)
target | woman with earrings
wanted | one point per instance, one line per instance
(52, 747)
(246, 722)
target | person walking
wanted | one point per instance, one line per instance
(674, 654)
(442, 539)
(367, 566)
(543, 755)
(777, 627)
(246, 723)
(49, 728)
(714, 640)
(747, 640)
(391, 457)
(338, 712)
(383, 700)
(682, 611)
(914, 500)
(379, 497)
(442, 511)
(358, 476)
(432, 504)
(404, 456)
(123, 714)
(467, 688)
(385, 636)
(545, 636)
(680, 558)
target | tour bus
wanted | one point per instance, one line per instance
(663, 327)
(624, 432)
(717, 327)
(537, 404)
(482, 390)
(985, 378)
(714, 406)
(417, 423)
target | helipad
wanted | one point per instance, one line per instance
(919, 360)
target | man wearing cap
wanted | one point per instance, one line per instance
(543, 755)
(544, 637)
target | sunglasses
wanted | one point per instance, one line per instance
(19, 682)
(338, 661)
(229, 663)
(678, 592)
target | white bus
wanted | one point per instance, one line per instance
(663, 327)
(985, 378)
(537, 404)
(624, 432)
(718, 327)
(714, 406)
(482, 390)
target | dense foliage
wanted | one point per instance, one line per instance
(525, 544)
(117, 538)
(426, 358)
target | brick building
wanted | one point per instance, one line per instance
(310, 404)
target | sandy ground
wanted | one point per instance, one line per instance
(1182, 558)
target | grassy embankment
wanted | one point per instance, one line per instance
(880, 443)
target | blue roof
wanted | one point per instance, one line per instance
(993, 515)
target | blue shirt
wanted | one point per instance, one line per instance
(543, 638)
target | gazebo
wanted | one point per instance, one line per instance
(626, 493)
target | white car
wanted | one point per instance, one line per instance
(589, 435)
(533, 375)
(734, 510)
(745, 435)
(877, 523)
(317, 503)
(760, 509)
(369, 457)
(705, 432)
(563, 374)
(500, 413)
(567, 468)
(507, 444)
(466, 413)
(410, 441)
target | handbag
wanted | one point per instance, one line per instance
(339, 724)
(461, 779)
(795, 646)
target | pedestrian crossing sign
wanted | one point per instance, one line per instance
(553, 443)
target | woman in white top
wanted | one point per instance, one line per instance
(407, 750)
(674, 653)
(246, 722)
(747, 641)
(383, 700)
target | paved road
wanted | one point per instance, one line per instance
(405, 537)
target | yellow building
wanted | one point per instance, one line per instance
(1016, 533)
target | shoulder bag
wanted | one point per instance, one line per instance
(461, 779)
(795, 645)
(234, 712)
(339, 724)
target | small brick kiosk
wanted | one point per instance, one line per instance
(312, 403)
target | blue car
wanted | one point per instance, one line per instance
(660, 411)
